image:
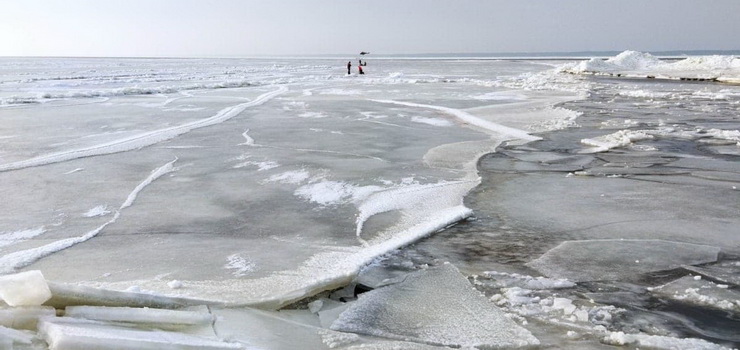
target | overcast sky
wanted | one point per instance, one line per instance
(309, 27)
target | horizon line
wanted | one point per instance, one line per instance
(510, 54)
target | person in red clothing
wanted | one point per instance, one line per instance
(359, 68)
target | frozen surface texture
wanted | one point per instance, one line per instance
(436, 306)
(599, 260)
(24, 289)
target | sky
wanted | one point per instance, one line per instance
(244, 28)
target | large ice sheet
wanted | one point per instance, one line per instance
(615, 259)
(436, 306)
(609, 208)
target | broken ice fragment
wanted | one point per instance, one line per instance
(614, 259)
(68, 295)
(24, 289)
(25, 317)
(63, 333)
(700, 292)
(436, 306)
(14, 336)
(139, 315)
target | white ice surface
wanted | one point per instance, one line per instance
(437, 306)
(13, 261)
(142, 140)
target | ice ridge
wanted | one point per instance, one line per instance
(142, 140)
(13, 261)
(470, 119)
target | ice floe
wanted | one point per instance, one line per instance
(437, 306)
(615, 259)
(694, 290)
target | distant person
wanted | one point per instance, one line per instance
(359, 68)
(349, 66)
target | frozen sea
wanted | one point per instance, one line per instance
(591, 204)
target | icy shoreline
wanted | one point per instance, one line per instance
(351, 173)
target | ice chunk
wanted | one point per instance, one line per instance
(69, 295)
(275, 330)
(689, 289)
(24, 289)
(507, 280)
(615, 259)
(331, 312)
(24, 317)
(659, 342)
(436, 306)
(618, 139)
(68, 333)
(724, 272)
(139, 315)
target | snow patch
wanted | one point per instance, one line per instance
(100, 210)
(242, 266)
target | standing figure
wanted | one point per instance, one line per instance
(349, 66)
(359, 68)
